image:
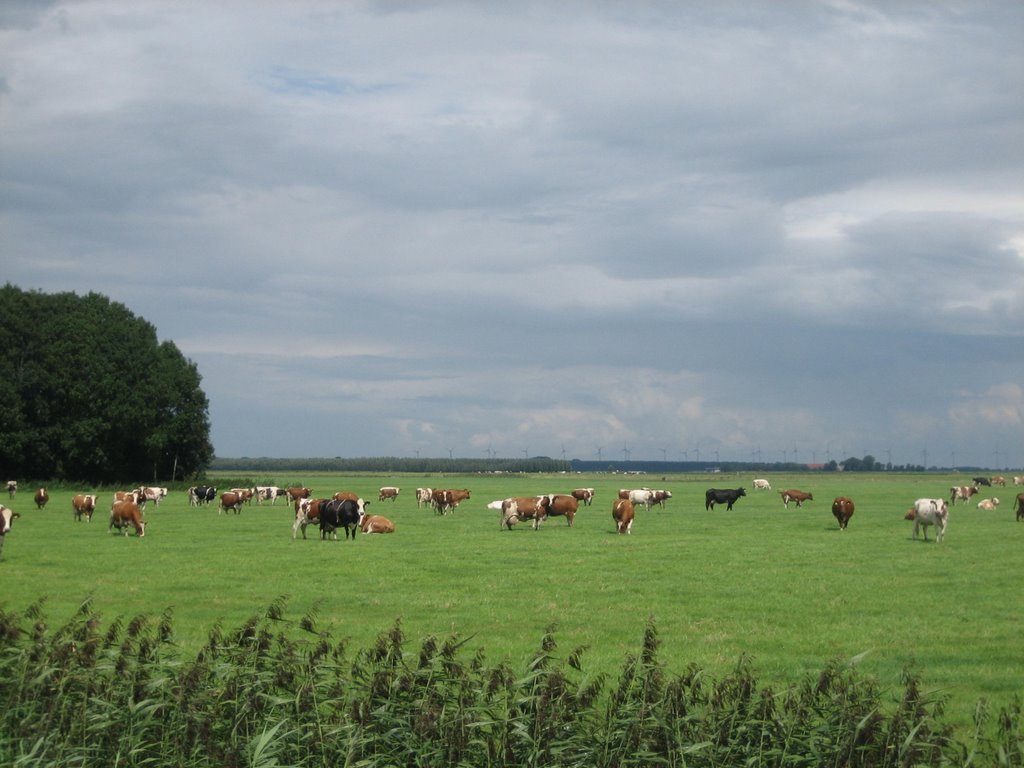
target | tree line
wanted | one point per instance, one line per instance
(89, 393)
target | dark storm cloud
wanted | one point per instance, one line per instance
(419, 228)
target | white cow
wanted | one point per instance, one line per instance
(760, 484)
(988, 503)
(644, 496)
(156, 495)
(1018, 479)
(424, 496)
(927, 512)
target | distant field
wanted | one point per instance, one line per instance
(784, 587)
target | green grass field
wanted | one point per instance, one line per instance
(784, 587)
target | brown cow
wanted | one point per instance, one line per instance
(446, 500)
(388, 493)
(998, 480)
(622, 514)
(842, 508)
(41, 498)
(376, 524)
(566, 505)
(586, 495)
(792, 494)
(124, 514)
(298, 492)
(83, 505)
(1020, 507)
(229, 500)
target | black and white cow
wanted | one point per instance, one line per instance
(201, 494)
(335, 514)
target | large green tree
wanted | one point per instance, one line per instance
(87, 392)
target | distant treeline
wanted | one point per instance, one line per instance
(387, 464)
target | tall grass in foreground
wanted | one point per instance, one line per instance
(274, 692)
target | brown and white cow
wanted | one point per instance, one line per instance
(622, 514)
(661, 496)
(842, 508)
(524, 508)
(12, 488)
(388, 493)
(83, 504)
(1018, 479)
(961, 493)
(988, 504)
(230, 502)
(926, 512)
(376, 524)
(424, 496)
(150, 493)
(998, 480)
(586, 495)
(41, 498)
(6, 516)
(246, 494)
(563, 505)
(792, 494)
(447, 499)
(124, 514)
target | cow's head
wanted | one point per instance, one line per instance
(911, 514)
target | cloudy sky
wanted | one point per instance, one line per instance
(732, 230)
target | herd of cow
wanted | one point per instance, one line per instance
(347, 511)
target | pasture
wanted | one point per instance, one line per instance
(784, 587)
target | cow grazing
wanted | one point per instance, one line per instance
(6, 516)
(926, 512)
(622, 514)
(1018, 479)
(1020, 507)
(12, 488)
(842, 508)
(563, 505)
(424, 496)
(988, 503)
(792, 494)
(124, 514)
(230, 502)
(726, 496)
(760, 484)
(41, 499)
(998, 480)
(525, 508)
(388, 493)
(981, 481)
(446, 500)
(586, 495)
(83, 504)
(376, 524)
(660, 497)
(335, 514)
(201, 494)
(961, 493)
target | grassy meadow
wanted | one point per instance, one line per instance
(785, 588)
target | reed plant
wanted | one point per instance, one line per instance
(280, 691)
